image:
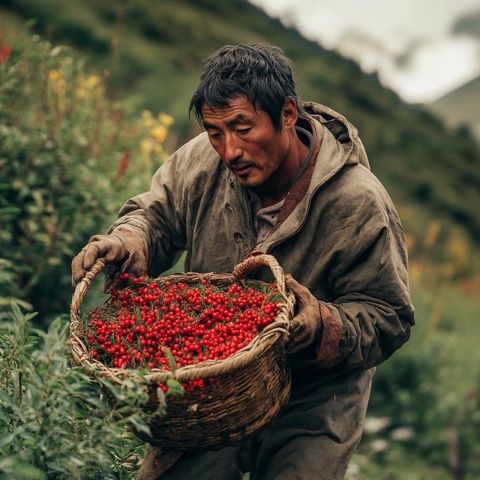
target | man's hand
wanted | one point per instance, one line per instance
(306, 327)
(123, 248)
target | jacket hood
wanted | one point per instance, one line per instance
(339, 146)
(350, 147)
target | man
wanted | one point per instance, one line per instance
(275, 175)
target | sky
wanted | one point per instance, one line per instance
(409, 44)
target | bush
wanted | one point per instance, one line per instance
(54, 422)
(69, 158)
(427, 396)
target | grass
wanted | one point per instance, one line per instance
(429, 386)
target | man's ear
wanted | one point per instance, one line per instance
(289, 114)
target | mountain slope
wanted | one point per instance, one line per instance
(154, 51)
(461, 107)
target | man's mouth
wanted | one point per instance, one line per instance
(242, 170)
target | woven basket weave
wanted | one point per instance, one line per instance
(242, 392)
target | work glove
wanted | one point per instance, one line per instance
(122, 249)
(306, 326)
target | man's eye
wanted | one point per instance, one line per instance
(243, 131)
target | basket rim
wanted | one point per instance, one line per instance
(274, 332)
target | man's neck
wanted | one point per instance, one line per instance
(282, 181)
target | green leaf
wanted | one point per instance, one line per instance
(14, 467)
(140, 425)
(15, 301)
(174, 387)
(171, 359)
(7, 440)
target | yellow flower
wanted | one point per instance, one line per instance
(458, 250)
(93, 81)
(432, 234)
(146, 150)
(147, 118)
(55, 75)
(158, 133)
(58, 85)
(86, 86)
(165, 119)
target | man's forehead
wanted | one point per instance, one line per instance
(233, 107)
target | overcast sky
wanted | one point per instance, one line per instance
(409, 43)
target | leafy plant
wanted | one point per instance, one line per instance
(56, 422)
(429, 389)
(69, 157)
(8, 278)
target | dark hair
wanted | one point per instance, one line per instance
(261, 73)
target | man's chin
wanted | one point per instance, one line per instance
(250, 181)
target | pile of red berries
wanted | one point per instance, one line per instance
(147, 320)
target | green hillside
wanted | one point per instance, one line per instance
(153, 51)
(69, 156)
(461, 107)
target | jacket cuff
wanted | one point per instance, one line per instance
(328, 352)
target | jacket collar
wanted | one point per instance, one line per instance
(339, 145)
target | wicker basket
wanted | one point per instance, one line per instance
(241, 394)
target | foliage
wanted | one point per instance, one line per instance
(154, 51)
(440, 253)
(69, 158)
(430, 390)
(8, 278)
(54, 420)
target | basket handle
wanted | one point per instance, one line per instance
(240, 271)
(81, 290)
(262, 260)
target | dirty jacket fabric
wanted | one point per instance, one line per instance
(343, 240)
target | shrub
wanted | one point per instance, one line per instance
(54, 422)
(69, 157)
(430, 389)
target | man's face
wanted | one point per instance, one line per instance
(247, 141)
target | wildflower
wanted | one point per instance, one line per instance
(5, 52)
(147, 117)
(123, 166)
(58, 84)
(146, 151)
(159, 133)
(93, 81)
(87, 86)
(55, 75)
(165, 119)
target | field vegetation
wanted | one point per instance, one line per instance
(80, 134)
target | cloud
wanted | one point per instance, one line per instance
(417, 47)
(434, 68)
(405, 58)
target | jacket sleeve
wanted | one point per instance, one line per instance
(158, 216)
(370, 314)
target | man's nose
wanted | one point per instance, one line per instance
(232, 150)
